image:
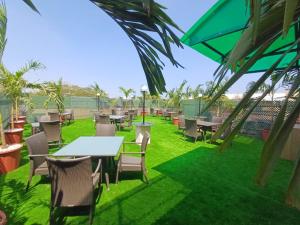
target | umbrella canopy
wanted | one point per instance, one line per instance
(216, 33)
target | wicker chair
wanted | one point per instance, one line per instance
(105, 130)
(38, 150)
(54, 116)
(216, 119)
(191, 129)
(181, 123)
(128, 162)
(70, 116)
(101, 119)
(129, 122)
(52, 130)
(73, 183)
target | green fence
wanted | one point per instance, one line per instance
(192, 108)
(4, 109)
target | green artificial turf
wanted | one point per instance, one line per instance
(190, 183)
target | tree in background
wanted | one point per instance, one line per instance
(97, 90)
(127, 93)
(54, 91)
(175, 95)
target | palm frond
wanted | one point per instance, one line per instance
(139, 19)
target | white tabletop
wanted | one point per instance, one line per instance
(92, 146)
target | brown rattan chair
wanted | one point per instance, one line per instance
(216, 119)
(191, 129)
(129, 162)
(38, 150)
(52, 130)
(70, 115)
(73, 183)
(54, 116)
(105, 130)
(181, 122)
(129, 122)
(102, 119)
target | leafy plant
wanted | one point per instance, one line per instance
(14, 84)
(175, 95)
(54, 91)
(96, 89)
(126, 93)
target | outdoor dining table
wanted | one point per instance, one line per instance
(98, 147)
(206, 126)
(116, 119)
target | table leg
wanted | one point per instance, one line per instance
(107, 180)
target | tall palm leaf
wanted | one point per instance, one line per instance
(54, 91)
(97, 90)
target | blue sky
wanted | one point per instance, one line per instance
(78, 42)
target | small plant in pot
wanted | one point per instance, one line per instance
(13, 85)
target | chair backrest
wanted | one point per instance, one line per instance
(52, 130)
(71, 115)
(181, 121)
(54, 116)
(102, 119)
(217, 119)
(43, 118)
(105, 130)
(151, 111)
(145, 141)
(71, 181)
(130, 119)
(191, 127)
(37, 145)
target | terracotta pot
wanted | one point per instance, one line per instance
(13, 136)
(144, 113)
(10, 157)
(3, 219)
(18, 124)
(175, 120)
(21, 118)
(265, 134)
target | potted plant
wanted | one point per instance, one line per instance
(9, 154)
(13, 85)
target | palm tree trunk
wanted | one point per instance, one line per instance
(17, 110)
(2, 132)
(12, 117)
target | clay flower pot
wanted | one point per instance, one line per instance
(10, 157)
(144, 113)
(175, 120)
(3, 219)
(21, 118)
(18, 124)
(13, 136)
(265, 134)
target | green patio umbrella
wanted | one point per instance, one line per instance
(218, 30)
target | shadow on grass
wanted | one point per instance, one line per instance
(222, 191)
(12, 198)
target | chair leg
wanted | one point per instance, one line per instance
(117, 174)
(51, 221)
(91, 215)
(145, 175)
(29, 180)
(107, 181)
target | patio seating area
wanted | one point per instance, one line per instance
(185, 178)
